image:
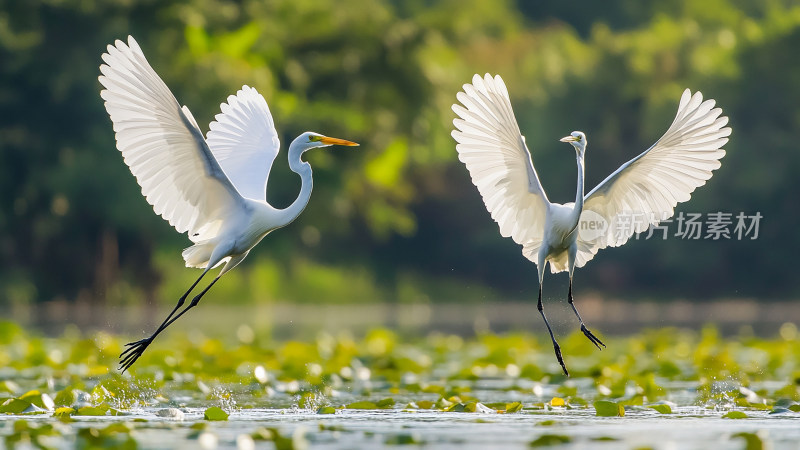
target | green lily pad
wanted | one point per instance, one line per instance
(425, 404)
(403, 439)
(65, 397)
(662, 409)
(64, 411)
(14, 406)
(326, 410)
(547, 423)
(362, 405)
(513, 407)
(547, 440)
(39, 399)
(605, 408)
(458, 407)
(752, 441)
(197, 428)
(262, 434)
(215, 413)
(385, 403)
(91, 411)
(735, 415)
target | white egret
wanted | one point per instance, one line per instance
(214, 189)
(642, 192)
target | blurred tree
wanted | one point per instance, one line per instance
(400, 209)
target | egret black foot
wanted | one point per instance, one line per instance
(557, 349)
(132, 353)
(595, 340)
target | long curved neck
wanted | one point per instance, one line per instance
(303, 169)
(576, 212)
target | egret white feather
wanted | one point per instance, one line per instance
(244, 141)
(649, 186)
(215, 190)
(161, 145)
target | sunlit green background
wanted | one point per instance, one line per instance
(396, 220)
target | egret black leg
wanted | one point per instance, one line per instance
(597, 342)
(135, 349)
(194, 301)
(556, 347)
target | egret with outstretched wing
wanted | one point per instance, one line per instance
(214, 189)
(641, 193)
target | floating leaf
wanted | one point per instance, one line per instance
(66, 397)
(296, 441)
(458, 407)
(215, 413)
(90, 411)
(64, 411)
(30, 395)
(326, 410)
(403, 439)
(117, 427)
(513, 407)
(262, 434)
(386, 403)
(547, 440)
(735, 415)
(578, 401)
(662, 409)
(636, 400)
(42, 402)
(115, 435)
(14, 406)
(605, 408)
(443, 403)
(197, 428)
(362, 405)
(546, 423)
(752, 441)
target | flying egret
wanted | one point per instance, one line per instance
(642, 192)
(214, 189)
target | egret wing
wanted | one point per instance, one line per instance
(646, 189)
(244, 141)
(163, 147)
(494, 151)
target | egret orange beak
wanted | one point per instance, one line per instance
(335, 141)
(569, 138)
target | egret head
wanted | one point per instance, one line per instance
(309, 140)
(578, 140)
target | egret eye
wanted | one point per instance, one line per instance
(313, 138)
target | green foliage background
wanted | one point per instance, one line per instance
(397, 219)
